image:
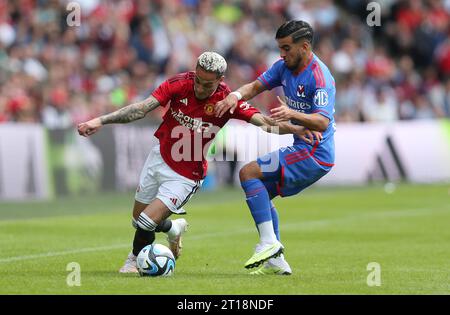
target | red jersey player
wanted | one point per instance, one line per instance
(174, 169)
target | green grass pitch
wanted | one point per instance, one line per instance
(330, 236)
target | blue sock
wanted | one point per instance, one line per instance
(257, 200)
(274, 214)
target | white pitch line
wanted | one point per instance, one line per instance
(289, 226)
(119, 246)
(63, 253)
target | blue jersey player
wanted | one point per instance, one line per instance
(309, 90)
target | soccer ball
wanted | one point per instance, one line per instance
(155, 260)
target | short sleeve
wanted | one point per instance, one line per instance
(244, 111)
(163, 93)
(272, 77)
(323, 101)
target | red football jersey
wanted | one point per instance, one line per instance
(189, 124)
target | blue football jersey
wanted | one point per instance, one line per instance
(311, 90)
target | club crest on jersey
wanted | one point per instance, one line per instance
(301, 91)
(209, 109)
(321, 98)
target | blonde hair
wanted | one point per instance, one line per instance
(212, 62)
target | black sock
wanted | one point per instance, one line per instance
(164, 226)
(142, 238)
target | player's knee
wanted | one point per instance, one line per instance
(249, 171)
(243, 173)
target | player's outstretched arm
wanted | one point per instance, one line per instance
(244, 93)
(124, 115)
(269, 125)
(315, 121)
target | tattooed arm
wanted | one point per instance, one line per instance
(131, 112)
(122, 116)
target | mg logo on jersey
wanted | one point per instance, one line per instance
(321, 98)
(301, 91)
(174, 200)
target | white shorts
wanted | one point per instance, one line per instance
(158, 180)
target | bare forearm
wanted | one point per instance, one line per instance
(250, 90)
(288, 128)
(315, 122)
(131, 112)
(269, 125)
(280, 128)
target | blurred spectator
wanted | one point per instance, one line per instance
(348, 58)
(422, 108)
(440, 99)
(349, 98)
(59, 75)
(380, 105)
(442, 55)
(55, 115)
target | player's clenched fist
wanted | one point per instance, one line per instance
(228, 103)
(90, 127)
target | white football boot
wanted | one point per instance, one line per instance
(274, 266)
(130, 265)
(179, 226)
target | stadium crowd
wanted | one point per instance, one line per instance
(60, 75)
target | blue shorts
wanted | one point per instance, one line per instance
(289, 170)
